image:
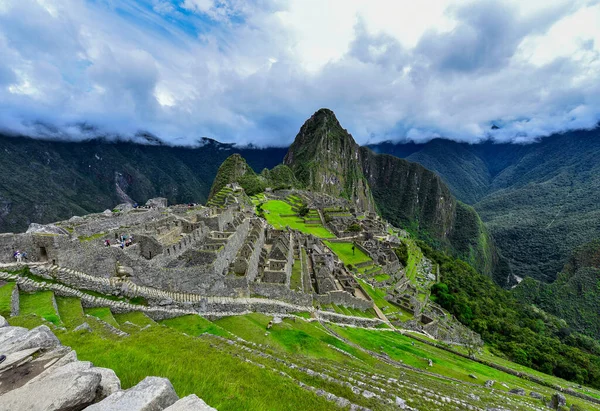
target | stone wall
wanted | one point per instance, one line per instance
(344, 319)
(253, 261)
(39, 247)
(198, 234)
(76, 279)
(343, 298)
(102, 223)
(14, 302)
(281, 292)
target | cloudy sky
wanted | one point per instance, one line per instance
(253, 71)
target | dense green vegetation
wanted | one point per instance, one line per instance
(40, 304)
(574, 295)
(523, 333)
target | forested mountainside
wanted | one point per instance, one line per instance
(539, 201)
(575, 295)
(324, 157)
(44, 181)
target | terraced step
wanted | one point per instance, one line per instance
(42, 304)
(104, 314)
(70, 311)
(136, 317)
(6, 296)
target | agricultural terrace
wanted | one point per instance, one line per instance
(345, 253)
(280, 214)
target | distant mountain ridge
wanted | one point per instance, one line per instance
(539, 200)
(44, 181)
(575, 295)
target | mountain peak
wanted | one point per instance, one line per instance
(324, 157)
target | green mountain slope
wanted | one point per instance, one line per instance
(45, 181)
(539, 201)
(575, 295)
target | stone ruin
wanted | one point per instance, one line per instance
(204, 252)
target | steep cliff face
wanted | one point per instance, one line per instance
(324, 157)
(409, 194)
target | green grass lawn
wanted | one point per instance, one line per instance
(135, 317)
(195, 325)
(300, 337)
(104, 314)
(194, 367)
(274, 209)
(5, 294)
(70, 310)
(296, 279)
(217, 372)
(414, 257)
(345, 253)
(39, 304)
(382, 277)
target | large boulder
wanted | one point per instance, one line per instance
(124, 207)
(158, 202)
(38, 337)
(151, 394)
(66, 391)
(35, 228)
(558, 400)
(8, 334)
(17, 357)
(110, 382)
(190, 403)
(60, 368)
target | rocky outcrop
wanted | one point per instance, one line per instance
(158, 202)
(190, 403)
(151, 394)
(35, 228)
(39, 374)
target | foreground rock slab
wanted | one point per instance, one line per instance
(65, 391)
(151, 394)
(190, 403)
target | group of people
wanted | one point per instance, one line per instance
(122, 240)
(20, 256)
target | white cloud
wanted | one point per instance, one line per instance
(254, 71)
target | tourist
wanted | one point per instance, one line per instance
(19, 256)
(107, 243)
(24, 255)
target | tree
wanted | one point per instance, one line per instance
(303, 210)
